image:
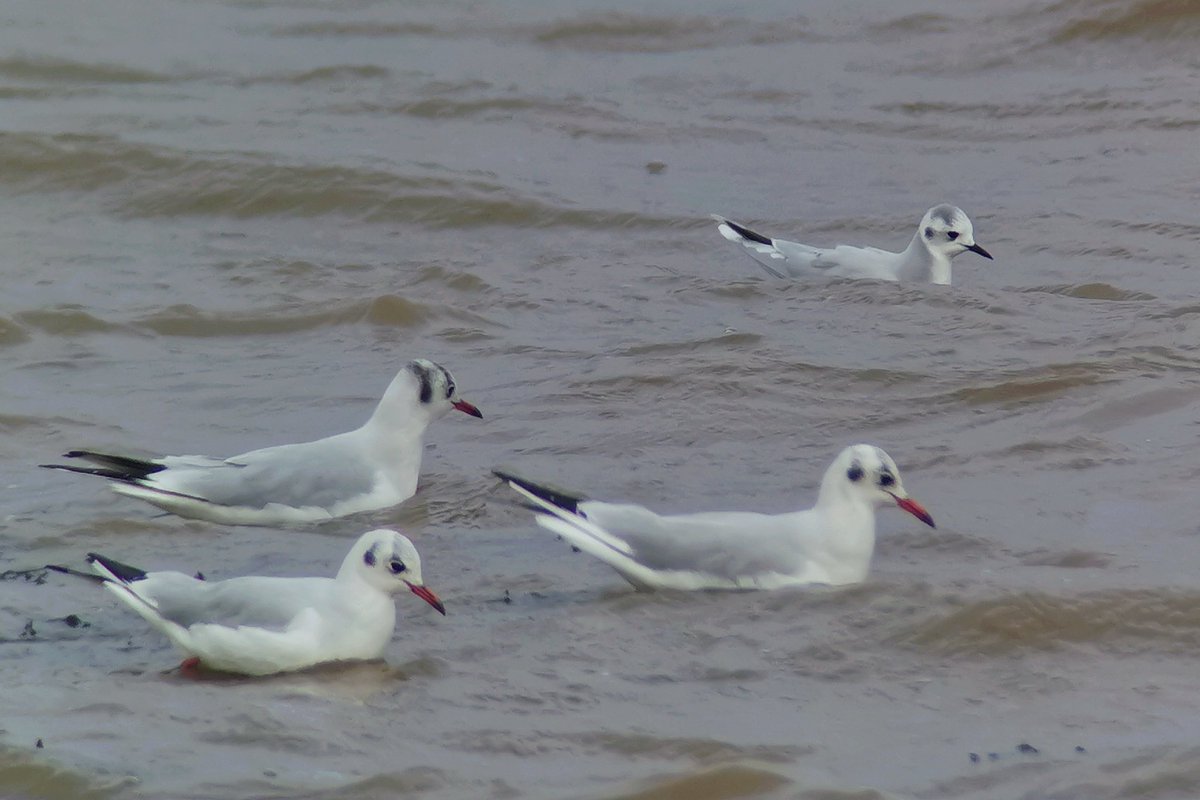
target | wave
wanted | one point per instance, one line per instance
(1117, 20)
(148, 182)
(387, 310)
(1119, 621)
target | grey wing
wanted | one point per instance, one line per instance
(782, 258)
(262, 602)
(320, 474)
(729, 545)
(798, 258)
(847, 261)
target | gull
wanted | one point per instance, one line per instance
(373, 467)
(945, 231)
(830, 543)
(263, 625)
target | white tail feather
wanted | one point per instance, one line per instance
(631, 570)
(583, 524)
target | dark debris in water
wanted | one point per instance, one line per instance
(506, 599)
(72, 621)
(37, 576)
(1024, 748)
(39, 744)
(29, 632)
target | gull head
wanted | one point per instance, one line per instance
(425, 390)
(867, 474)
(388, 561)
(947, 230)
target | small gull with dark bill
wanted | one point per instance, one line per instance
(830, 543)
(945, 232)
(372, 467)
(263, 625)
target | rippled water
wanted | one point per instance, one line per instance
(228, 223)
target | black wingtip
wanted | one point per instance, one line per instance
(746, 233)
(568, 501)
(103, 472)
(114, 467)
(124, 572)
(89, 576)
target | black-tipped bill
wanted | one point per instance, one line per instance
(916, 509)
(429, 597)
(467, 408)
(977, 249)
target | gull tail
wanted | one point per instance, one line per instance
(117, 468)
(758, 246)
(114, 571)
(87, 576)
(104, 570)
(558, 512)
(116, 577)
(567, 501)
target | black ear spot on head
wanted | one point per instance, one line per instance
(425, 381)
(929, 233)
(855, 473)
(369, 557)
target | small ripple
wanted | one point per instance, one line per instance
(705, 751)
(725, 782)
(1037, 385)
(65, 321)
(74, 73)
(190, 321)
(1119, 621)
(11, 333)
(374, 30)
(1090, 291)
(335, 73)
(25, 775)
(1119, 20)
(725, 341)
(636, 33)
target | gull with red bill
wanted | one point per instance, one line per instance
(260, 625)
(372, 467)
(944, 232)
(830, 543)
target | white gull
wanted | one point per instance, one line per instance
(945, 232)
(830, 543)
(263, 625)
(372, 467)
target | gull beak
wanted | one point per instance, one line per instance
(429, 597)
(974, 248)
(467, 408)
(914, 508)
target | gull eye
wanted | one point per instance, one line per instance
(886, 479)
(855, 473)
(952, 235)
(449, 388)
(929, 233)
(396, 567)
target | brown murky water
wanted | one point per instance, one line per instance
(227, 224)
